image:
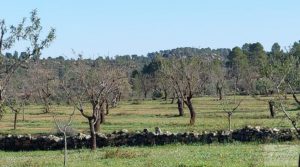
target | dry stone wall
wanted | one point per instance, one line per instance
(145, 138)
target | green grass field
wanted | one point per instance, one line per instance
(151, 114)
(235, 154)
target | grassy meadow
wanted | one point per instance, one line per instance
(150, 114)
(153, 113)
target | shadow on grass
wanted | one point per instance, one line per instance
(168, 115)
(295, 109)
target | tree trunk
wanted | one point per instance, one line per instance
(219, 91)
(114, 102)
(65, 149)
(23, 113)
(145, 94)
(299, 161)
(229, 121)
(166, 95)
(296, 99)
(46, 107)
(93, 134)
(15, 121)
(191, 109)
(98, 120)
(180, 106)
(102, 115)
(272, 108)
(106, 107)
(119, 97)
(173, 98)
(235, 89)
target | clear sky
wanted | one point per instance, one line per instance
(100, 28)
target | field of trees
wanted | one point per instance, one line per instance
(151, 114)
(179, 90)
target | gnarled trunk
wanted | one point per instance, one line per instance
(106, 107)
(119, 97)
(145, 94)
(93, 134)
(272, 108)
(46, 105)
(166, 94)
(15, 120)
(180, 106)
(98, 119)
(296, 99)
(219, 88)
(189, 104)
(102, 115)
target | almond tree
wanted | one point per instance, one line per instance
(188, 76)
(24, 31)
(286, 73)
(229, 107)
(92, 84)
(15, 107)
(63, 128)
(44, 80)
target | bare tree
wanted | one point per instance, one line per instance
(23, 32)
(15, 107)
(294, 94)
(92, 85)
(188, 76)
(180, 106)
(45, 82)
(229, 107)
(284, 75)
(282, 105)
(63, 128)
(217, 76)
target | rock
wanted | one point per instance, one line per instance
(55, 138)
(101, 135)
(124, 131)
(158, 131)
(205, 132)
(257, 128)
(146, 131)
(20, 136)
(214, 133)
(248, 127)
(168, 133)
(276, 130)
(151, 134)
(29, 136)
(82, 136)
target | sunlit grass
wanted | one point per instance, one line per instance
(150, 114)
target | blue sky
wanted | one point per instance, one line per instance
(100, 28)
